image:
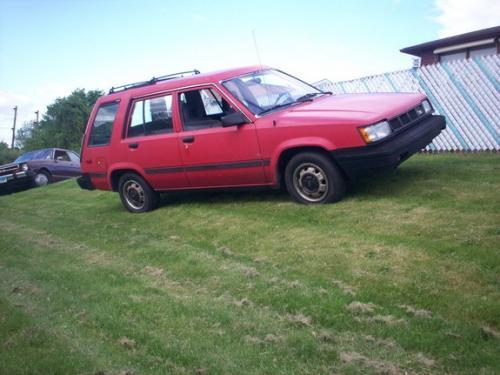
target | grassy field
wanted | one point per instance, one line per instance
(401, 276)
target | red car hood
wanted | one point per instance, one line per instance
(359, 109)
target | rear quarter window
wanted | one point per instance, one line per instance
(102, 127)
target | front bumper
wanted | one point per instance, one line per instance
(389, 153)
(85, 182)
(15, 181)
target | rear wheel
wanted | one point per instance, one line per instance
(136, 195)
(42, 178)
(313, 178)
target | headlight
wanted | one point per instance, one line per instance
(24, 167)
(375, 132)
(426, 105)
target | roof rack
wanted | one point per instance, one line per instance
(152, 81)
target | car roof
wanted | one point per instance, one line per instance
(192, 80)
(47, 148)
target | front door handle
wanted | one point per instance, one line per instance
(133, 145)
(188, 139)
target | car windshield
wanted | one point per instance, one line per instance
(34, 155)
(264, 91)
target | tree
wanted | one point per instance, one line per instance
(7, 155)
(62, 125)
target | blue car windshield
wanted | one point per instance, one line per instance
(34, 155)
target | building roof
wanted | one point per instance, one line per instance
(417, 49)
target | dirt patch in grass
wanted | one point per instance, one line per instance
(226, 251)
(242, 302)
(16, 290)
(387, 319)
(387, 343)
(489, 333)
(345, 288)
(154, 271)
(380, 367)
(127, 343)
(420, 313)
(424, 360)
(294, 284)
(268, 339)
(299, 319)
(326, 336)
(357, 307)
(250, 272)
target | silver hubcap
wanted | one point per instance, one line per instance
(41, 179)
(134, 194)
(310, 181)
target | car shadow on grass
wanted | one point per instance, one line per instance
(396, 183)
(399, 182)
(14, 190)
(224, 196)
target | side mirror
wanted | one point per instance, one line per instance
(233, 119)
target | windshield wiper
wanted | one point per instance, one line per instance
(276, 107)
(310, 96)
(300, 99)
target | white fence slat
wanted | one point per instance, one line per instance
(466, 91)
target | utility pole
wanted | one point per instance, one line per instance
(14, 128)
(36, 113)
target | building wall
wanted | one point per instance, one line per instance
(428, 57)
(466, 92)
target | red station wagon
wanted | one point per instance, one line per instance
(253, 126)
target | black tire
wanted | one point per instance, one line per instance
(313, 178)
(136, 194)
(42, 178)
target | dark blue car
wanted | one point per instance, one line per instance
(38, 168)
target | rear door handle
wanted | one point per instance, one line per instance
(133, 145)
(188, 139)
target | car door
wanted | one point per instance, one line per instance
(152, 143)
(96, 153)
(63, 166)
(75, 163)
(66, 164)
(213, 155)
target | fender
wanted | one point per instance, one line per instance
(123, 166)
(323, 143)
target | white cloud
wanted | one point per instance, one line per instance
(462, 16)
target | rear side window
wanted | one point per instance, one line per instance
(151, 116)
(74, 157)
(103, 125)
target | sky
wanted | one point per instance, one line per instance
(48, 48)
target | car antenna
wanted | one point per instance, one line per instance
(256, 48)
(258, 58)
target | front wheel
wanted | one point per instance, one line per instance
(313, 178)
(136, 195)
(41, 178)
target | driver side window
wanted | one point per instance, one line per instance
(61, 155)
(204, 108)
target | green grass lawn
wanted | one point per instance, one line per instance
(401, 276)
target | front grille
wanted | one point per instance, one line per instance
(8, 169)
(407, 118)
